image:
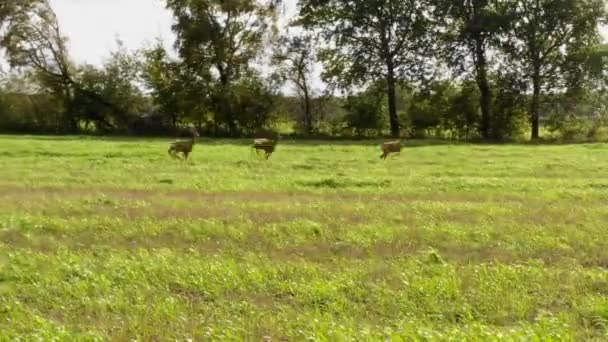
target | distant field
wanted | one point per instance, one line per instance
(110, 239)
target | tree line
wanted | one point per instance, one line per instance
(461, 69)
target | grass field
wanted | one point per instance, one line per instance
(110, 239)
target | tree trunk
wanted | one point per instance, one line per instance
(174, 121)
(225, 101)
(71, 120)
(307, 112)
(535, 105)
(392, 99)
(485, 101)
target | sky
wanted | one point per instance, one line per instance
(92, 26)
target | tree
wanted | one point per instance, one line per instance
(470, 28)
(294, 57)
(33, 40)
(463, 115)
(587, 69)
(542, 36)
(364, 112)
(252, 102)
(581, 109)
(509, 103)
(176, 92)
(17, 10)
(430, 105)
(115, 83)
(371, 40)
(224, 36)
(25, 109)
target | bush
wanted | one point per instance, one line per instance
(429, 107)
(463, 116)
(23, 113)
(509, 111)
(365, 113)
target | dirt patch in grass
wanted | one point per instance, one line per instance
(317, 251)
(18, 193)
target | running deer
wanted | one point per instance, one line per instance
(390, 147)
(264, 144)
(183, 146)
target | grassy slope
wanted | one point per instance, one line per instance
(112, 239)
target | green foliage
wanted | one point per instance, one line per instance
(462, 117)
(578, 116)
(369, 41)
(541, 38)
(365, 112)
(34, 44)
(509, 106)
(24, 113)
(252, 100)
(450, 68)
(24, 110)
(470, 32)
(429, 106)
(294, 58)
(178, 94)
(224, 37)
(109, 96)
(356, 28)
(15, 11)
(445, 109)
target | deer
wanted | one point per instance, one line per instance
(390, 147)
(183, 146)
(264, 144)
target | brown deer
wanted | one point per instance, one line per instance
(390, 147)
(183, 146)
(264, 144)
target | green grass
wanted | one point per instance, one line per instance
(110, 239)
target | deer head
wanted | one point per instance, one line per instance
(194, 132)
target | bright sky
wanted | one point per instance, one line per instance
(92, 26)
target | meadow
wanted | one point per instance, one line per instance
(111, 239)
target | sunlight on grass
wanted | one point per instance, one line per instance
(111, 239)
